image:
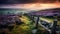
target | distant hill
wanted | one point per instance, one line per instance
(47, 12)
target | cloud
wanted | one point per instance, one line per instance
(36, 6)
(16, 1)
(25, 1)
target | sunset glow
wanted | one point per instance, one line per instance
(32, 6)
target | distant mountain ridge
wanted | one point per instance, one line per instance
(47, 12)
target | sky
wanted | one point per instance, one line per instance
(30, 4)
(26, 1)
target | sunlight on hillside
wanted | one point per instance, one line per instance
(47, 20)
(24, 19)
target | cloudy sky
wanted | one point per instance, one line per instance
(30, 4)
(26, 1)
